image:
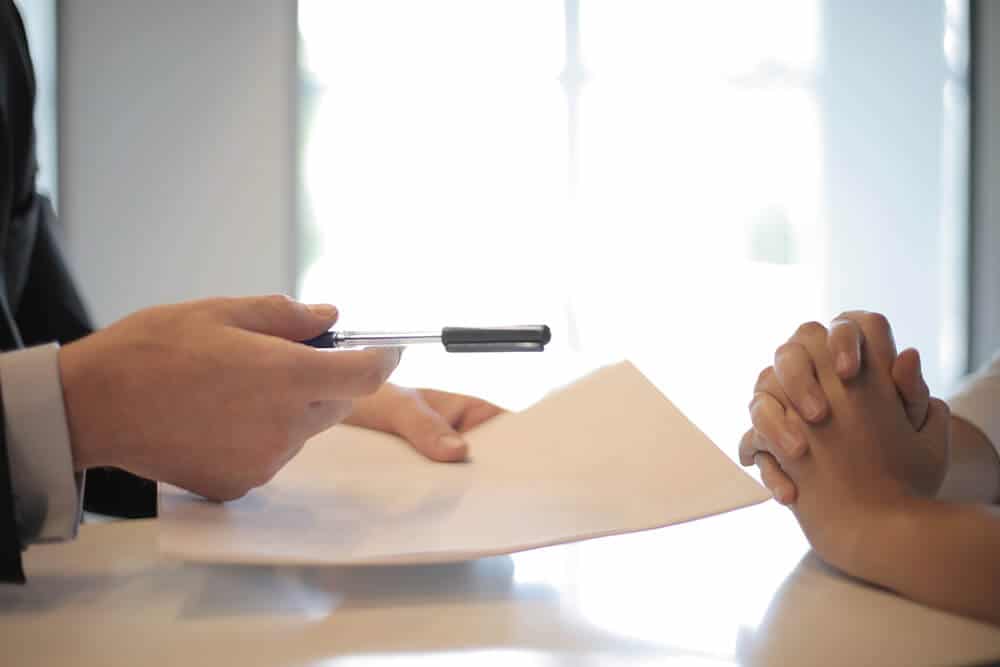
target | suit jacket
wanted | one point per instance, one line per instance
(39, 301)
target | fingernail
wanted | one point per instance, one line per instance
(324, 310)
(843, 363)
(452, 442)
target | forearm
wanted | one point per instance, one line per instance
(945, 555)
(974, 470)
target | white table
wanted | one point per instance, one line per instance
(734, 589)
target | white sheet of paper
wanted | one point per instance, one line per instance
(608, 454)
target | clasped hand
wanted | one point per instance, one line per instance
(844, 430)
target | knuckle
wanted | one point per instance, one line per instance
(425, 432)
(748, 446)
(759, 414)
(843, 327)
(764, 378)
(810, 330)
(788, 350)
(877, 321)
(849, 316)
(278, 301)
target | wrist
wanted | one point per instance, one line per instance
(87, 446)
(881, 538)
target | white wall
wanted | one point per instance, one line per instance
(177, 148)
(894, 175)
(40, 23)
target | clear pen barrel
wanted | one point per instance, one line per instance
(349, 339)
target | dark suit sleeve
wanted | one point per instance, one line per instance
(10, 547)
(51, 309)
(39, 302)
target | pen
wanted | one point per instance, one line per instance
(532, 338)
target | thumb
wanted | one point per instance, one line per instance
(911, 387)
(938, 424)
(429, 433)
(279, 315)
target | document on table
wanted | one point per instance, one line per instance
(608, 454)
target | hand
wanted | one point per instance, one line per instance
(213, 396)
(792, 382)
(866, 459)
(429, 420)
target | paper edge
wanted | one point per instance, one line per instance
(432, 558)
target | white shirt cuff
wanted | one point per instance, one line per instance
(978, 401)
(48, 496)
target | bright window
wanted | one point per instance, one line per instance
(679, 183)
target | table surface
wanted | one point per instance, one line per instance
(740, 588)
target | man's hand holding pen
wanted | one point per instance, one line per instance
(214, 396)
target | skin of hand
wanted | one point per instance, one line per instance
(431, 421)
(866, 461)
(792, 381)
(214, 396)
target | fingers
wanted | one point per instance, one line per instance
(773, 429)
(748, 448)
(333, 375)
(476, 414)
(794, 369)
(752, 452)
(276, 315)
(463, 412)
(877, 338)
(845, 342)
(938, 424)
(774, 478)
(429, 420)
(322, 375)
(429, 433)
(912, 388)
(751, 444)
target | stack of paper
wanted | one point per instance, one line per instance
(608, 454)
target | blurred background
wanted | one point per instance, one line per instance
(677, 183)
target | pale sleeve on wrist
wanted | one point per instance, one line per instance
(48, 495)
(978, 401)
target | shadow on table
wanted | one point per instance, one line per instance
(383, 611)
(226, 591)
